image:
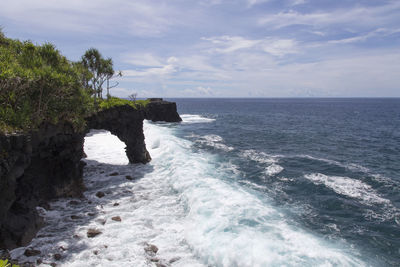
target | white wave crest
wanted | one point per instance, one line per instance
(189, 118)
(348, 187)
(259, 157)
(273, 169)
(212, 140)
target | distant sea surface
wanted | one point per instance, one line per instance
(242, 182)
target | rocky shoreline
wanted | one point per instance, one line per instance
(46, 164)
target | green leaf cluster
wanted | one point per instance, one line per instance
(5, 263)
(38, 84)
(115, 101)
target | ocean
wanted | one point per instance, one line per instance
(241, 182)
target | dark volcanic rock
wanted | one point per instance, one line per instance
(31, 252)
(34, 168)
(116, 218)
(150, 249)
(126, 123)
(100, 194)
(93, 232)
(45, 164)
(128, 177)
(159, 110)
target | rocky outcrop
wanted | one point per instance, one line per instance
(159, 110)
(46, 164)
(126, 123)
(35, 168)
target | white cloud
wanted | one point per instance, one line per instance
(273, 46)
(142, 59)
(364, 37)
(356, 16)
(228, 44)
(280, 47)
(139, 18)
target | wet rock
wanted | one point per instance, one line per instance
(31, 252)
(62, 248)
(130, 178)
(116, 218)
(73, 203)
(91, 214)
(39, 261)
(159, 264)
(149, 248)
(53, 264)
(96, 252)
(74, 217)
(154, 259)
(100, 194)
(174, 259)
(101, 171)
(116, 204)
(113, 174)
(89, 202)
(57, 257)
(93, 232)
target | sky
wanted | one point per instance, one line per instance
(225, 48)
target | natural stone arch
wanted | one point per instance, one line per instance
(127, 124)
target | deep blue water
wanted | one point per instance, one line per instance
(332, 165)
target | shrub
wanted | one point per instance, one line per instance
(115, 101)
(38, 84)
(5, 263)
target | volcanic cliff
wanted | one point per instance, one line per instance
(46, 164)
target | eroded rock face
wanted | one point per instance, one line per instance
(46, 164)
(126, 123)
(160, 110)
(35, 168)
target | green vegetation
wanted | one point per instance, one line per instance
(101, 71)
(115, 101)
(38, 85)
(5, 263)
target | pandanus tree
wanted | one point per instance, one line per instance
(101, 70)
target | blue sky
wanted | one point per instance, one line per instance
(221, 48)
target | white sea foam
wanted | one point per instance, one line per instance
(348, 187)
(104, 147)
(212, 140)
(272, 168)
(182, 203)
(189, 118)
(259, 157)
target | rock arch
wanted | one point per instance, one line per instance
(127, 124)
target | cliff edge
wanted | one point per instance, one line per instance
(46, 164)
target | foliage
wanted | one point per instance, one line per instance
(115, 101)
(38, 84)
(5, 263)
(101, 70)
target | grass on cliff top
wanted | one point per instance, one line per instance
(115, 101)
